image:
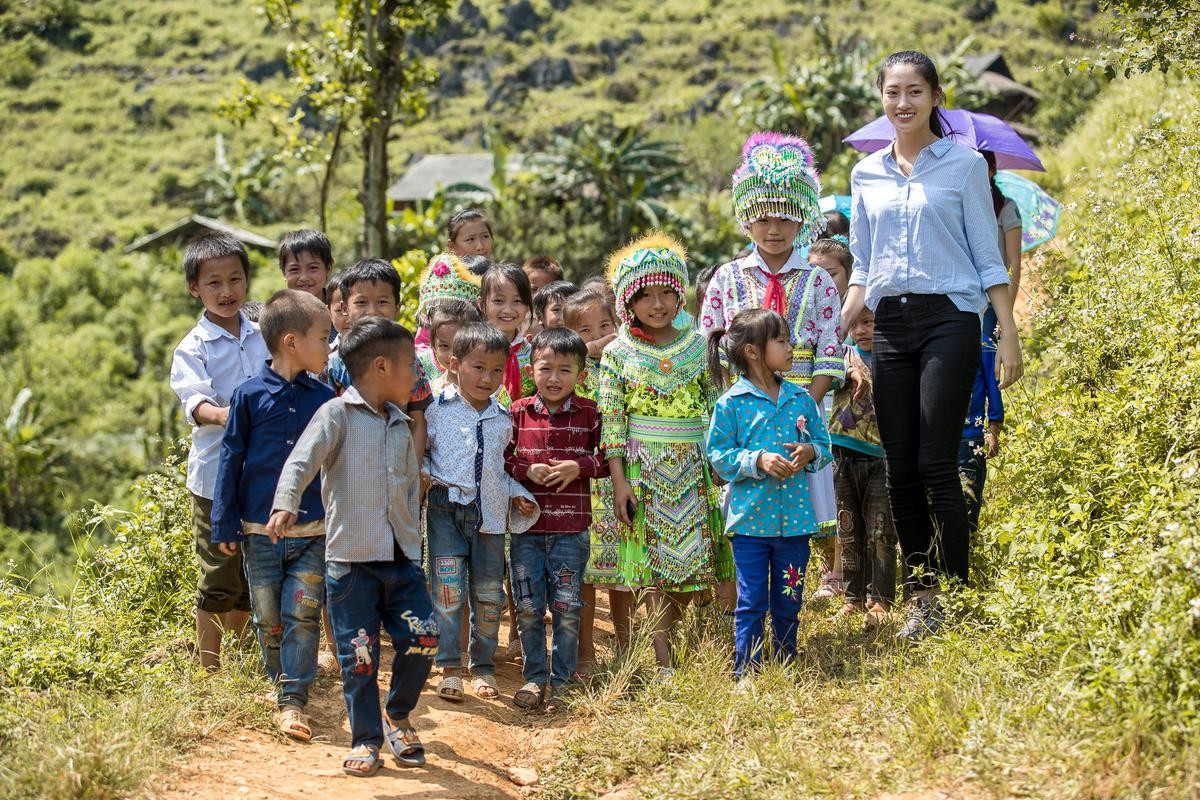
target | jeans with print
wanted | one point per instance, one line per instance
(287, 592)
(972, 466)
(924, 360)
(547, 569)
(470, 564)
(770, 576)
(363, 597)
(865, 528)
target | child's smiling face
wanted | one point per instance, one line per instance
(306, 272)
(594, 322)
(774, 236)
(504, 308)
(480, 373)
(370, 299)
(655, 306)
(221, 286)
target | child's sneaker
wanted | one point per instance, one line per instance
(925, 616)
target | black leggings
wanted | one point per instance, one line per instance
(926, 355)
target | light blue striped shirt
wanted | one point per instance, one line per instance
(932, 232)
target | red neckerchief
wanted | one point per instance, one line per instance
(512, 372)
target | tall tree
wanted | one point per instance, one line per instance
(351, 73)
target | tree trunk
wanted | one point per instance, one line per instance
(374, 188)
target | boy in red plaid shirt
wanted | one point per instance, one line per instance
(553, 453)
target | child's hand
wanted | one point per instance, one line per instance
(802, 454)
(539, 474)
(228, 548)
(425, 484)
(775, 465)
(623, 500)
(279, 524)
(596, 347)
(524, 505)
(562, 473)
(991, 439)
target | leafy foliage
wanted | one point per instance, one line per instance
(1155, 35)
(241, 191)
(32, 465)
(823, 99)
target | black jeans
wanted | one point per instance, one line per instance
(925, 358)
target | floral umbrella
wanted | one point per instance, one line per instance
(1039, 211)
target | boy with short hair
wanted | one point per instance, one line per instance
(865, 529)
(372, 289)
(548, 303)
(306, 259)
(469, 505)
(217, 355)
(287, 576)
(553, 452)
(370, 484)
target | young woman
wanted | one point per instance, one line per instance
(923, 235)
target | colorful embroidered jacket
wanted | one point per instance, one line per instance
(429, 363)
(646, 380)
(810, 298)
(747, 423)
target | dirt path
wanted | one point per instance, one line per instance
(469, 747)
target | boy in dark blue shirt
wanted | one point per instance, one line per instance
(981, 432)
(267, 414)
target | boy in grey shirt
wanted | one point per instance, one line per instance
(370, 484)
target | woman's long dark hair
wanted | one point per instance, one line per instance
(754, 326)
(924, 65)
(997, 197)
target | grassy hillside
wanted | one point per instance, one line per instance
(111, 111)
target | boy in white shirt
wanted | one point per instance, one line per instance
(223, 350)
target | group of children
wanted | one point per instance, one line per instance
(533, 441)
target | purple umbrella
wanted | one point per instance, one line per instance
(970, 128)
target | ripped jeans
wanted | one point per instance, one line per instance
(287, 592)
(464, 564)
(547, 569)
(865, 527)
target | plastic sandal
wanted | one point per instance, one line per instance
(367, 756)
(405, 746)
(294, 724)
(485, 687)
(528, 696)
(451, 688)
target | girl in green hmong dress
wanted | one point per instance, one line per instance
(655, 396)
(590, 314)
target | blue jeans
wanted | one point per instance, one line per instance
(457, 550)
(363, 597)
(972, 466)
(548, 568)
(770, 574)
(287, 591)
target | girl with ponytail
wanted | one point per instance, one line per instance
(766, 437)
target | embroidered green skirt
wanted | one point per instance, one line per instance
(677, 542)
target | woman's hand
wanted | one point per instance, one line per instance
(1009, 368)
